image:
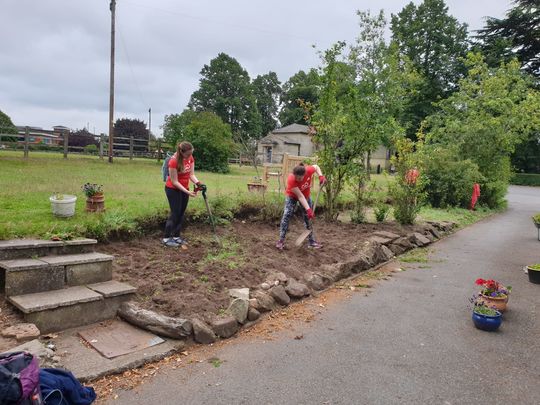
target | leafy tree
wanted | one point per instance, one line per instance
(267, 91)
(210, 136)
(526, 157)
(516, 35)
(301, 86)
(225, 89)
(81, 138)
(124, 128)
(7, 127)
(434, 42)
(492, 112)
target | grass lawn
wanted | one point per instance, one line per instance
(133, 194)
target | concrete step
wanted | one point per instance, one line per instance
(27, 248)
(26, 276)
(69, 307)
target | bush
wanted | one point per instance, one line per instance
(90, 149)
(450, 180)
(526, 179)
(381, 212)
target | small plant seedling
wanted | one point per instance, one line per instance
(215, 362)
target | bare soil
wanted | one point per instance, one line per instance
(194, 280)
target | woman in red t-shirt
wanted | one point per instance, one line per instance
(181, 171)
(298, 190)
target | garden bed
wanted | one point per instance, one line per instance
(195, 280)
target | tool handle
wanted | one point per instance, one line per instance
(317, 197)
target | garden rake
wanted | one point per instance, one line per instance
(306, 233)
(210, 216)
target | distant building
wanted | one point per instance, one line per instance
(38, 135)
(296, 140)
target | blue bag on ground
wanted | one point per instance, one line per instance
(60, 387)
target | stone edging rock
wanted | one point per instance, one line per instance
(279, 290)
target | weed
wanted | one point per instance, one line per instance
(203, 278)
(215, 362)
(415, 256)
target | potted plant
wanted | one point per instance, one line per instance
(484, 317)
(533, 271)
(63, 205)
(493, 294)
(95, 201)
(536, 221)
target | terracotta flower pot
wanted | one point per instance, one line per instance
(95, 203)
(499, 303)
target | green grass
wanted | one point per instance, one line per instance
(135, 197)
(460, 216)
(419, 255)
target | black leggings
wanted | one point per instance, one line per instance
(178, 201)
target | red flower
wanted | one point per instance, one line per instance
(480, 281)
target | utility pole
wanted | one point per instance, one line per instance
(149, 122)
(111, 86)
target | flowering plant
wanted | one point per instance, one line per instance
(91, 189)
(492, 288)
(481, 308)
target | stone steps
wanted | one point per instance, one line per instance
(26, 248)
(60, 284)
(26, 276)
(69, 307)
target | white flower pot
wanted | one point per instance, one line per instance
(64, 207)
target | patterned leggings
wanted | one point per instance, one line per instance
(290, 204)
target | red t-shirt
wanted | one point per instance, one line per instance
(304, 185)
(183, 177)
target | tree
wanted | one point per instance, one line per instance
(225, 89)
(435, 43)
(81, 138)
(301, 86)
(516, 35)
(493, 111)
(267, 91)
(7, 127)
(210, 136)
(124, 128)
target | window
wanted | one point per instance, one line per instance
(268, 154)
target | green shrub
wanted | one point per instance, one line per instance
(450, 180)
(91, 149)
(381, 212)
(526, 179)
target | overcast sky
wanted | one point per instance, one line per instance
(54, 64)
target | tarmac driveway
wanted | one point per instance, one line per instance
(411, 341)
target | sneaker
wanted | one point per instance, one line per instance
(169, 242)
(280, 245)
(314, 245)
(179, 240)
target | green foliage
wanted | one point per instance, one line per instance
(126, 128)
(525, 179)
(536, 218)
(408, 196)
(381, 211)
(210, 136)
(485, 120)
(434, 42)
(267, 91)
(301, 86)
(526, 157)
(7, 127)
(91, 149)
(225, 89)
(516, 35)
(450, 179)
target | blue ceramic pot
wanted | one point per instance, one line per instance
(487, 322)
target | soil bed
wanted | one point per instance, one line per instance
(195, 280)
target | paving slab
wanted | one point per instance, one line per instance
(112, 288)
(87, 364)
(81, 258)
(22, 264)
(29, 303)
(38, 243)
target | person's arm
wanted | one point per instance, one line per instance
(318, 170)
(301, 198)
(174, 180)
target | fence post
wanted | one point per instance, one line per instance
(159, 149)
(66, 143)
(26, 140)
(101, 140)
(131, 147)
